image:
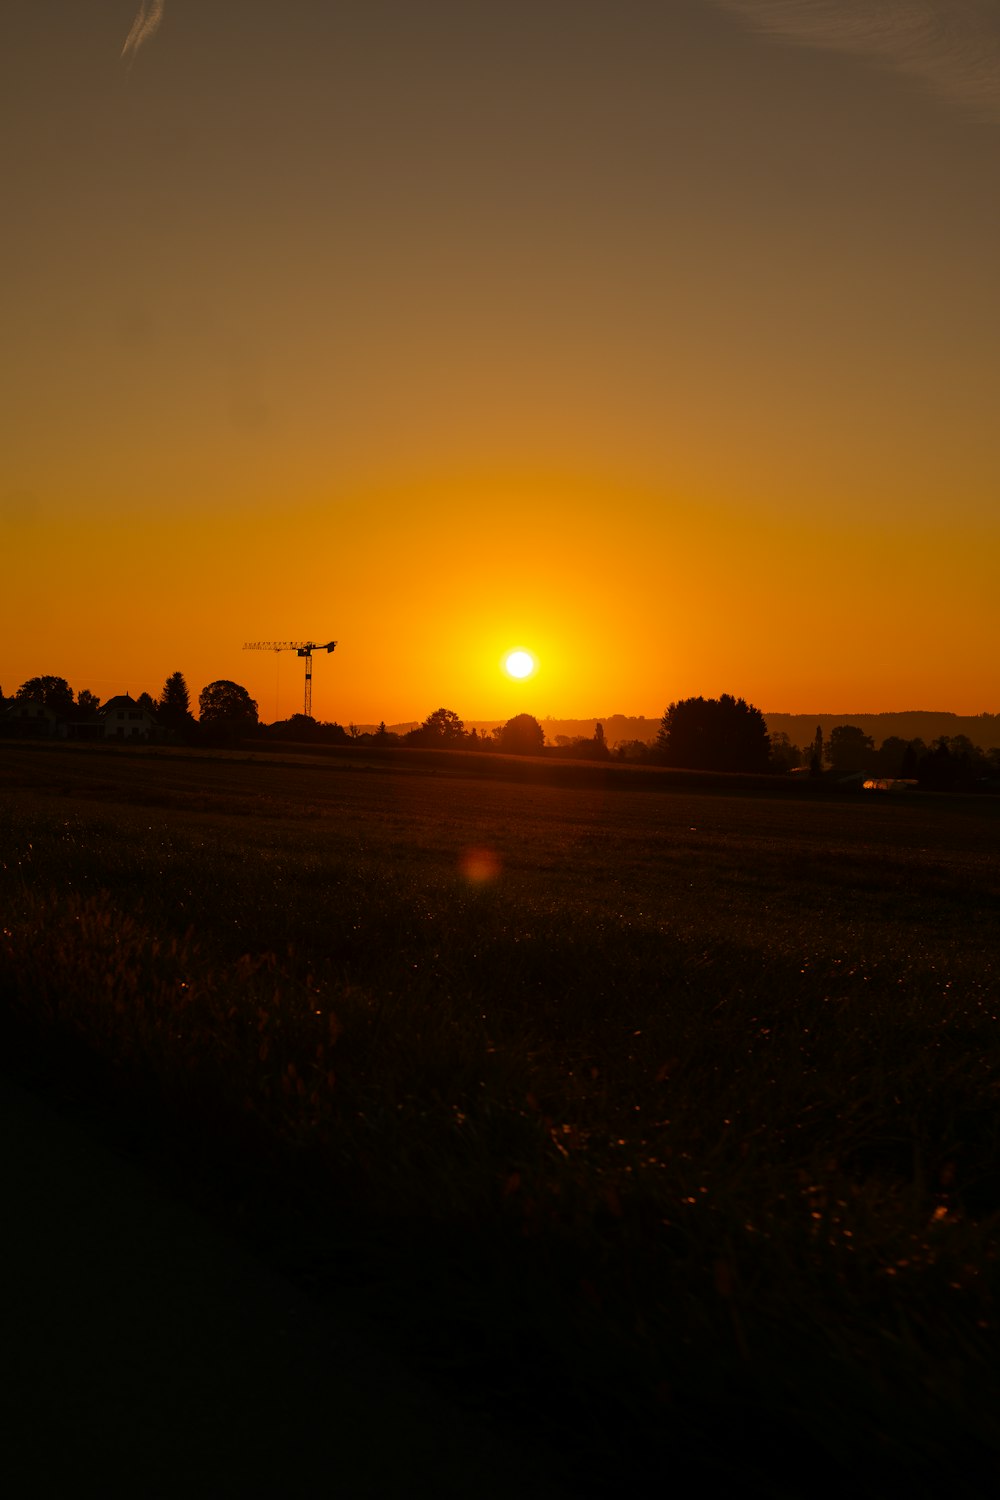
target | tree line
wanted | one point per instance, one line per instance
(226, 711)
(222, 705)
(710, 734)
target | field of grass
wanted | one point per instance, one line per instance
(661, 1117)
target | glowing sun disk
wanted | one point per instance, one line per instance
(520, 664)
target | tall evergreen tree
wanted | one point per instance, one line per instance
(174, 700)
(816, 758)
(174, 708)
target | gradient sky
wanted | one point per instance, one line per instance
(659, 337)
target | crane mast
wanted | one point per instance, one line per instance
(301, 648)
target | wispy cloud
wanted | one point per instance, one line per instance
(951, 46)
(145, 26)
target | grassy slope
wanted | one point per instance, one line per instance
(687, 1121)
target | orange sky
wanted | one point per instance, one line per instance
(659, 340)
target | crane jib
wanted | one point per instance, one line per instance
(301, 648)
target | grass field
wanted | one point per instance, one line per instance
(660, 1116)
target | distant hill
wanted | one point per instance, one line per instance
(915, 724)
(617, 727)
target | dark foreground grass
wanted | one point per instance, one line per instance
(676, 1140)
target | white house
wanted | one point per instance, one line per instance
(123, 719)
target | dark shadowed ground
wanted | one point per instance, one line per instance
(146, 1353)
(650, 1119)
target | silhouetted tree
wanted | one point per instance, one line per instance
(54, 692)
(445, 724)
(898, 757)
(583, 746)
(174, 708)
(911, 759)
(936, 770)
(970, 766)
(633, 750)
(304, 729)
(816, 755)
(227, 708)
(330, 732)
(442, 729)
(850, 750)
(784, 755)
(174, 700)
(145, 701)
(714, 734)
(301, 727)
(889, 758)
(87, 703)
(522, 735)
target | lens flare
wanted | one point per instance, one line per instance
(479, 866)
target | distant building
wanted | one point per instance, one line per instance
(123, 719)
(31, 718)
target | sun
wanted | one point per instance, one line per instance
(519, 664)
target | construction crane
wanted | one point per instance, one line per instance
(303, 648)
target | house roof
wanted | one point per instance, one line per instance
(121, 700)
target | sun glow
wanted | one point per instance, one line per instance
(519, 664)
